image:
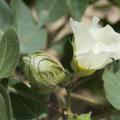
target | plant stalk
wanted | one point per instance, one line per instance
(69, 113)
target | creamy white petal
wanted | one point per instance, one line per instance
(83, 39)
(95, 21)
(101, 47)
(94, 25)
(106, 35)
(93, 61)
(115, 52)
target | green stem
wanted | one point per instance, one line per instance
(69, 90)
(69, 102)
(86, 99)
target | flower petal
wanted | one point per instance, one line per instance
(94, 21)
(94, 25)
(83, 39)
(106, 35)
(112, 48)
(93, 61)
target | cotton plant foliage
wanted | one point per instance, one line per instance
(94, 46)
(34, 84)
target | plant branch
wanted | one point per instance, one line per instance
(84, 98)
(68, 102)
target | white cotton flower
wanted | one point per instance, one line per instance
(94, 46)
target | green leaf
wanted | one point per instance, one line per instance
(117, 2)
(9, 52)
(50, 10)
(32, 38)
(28, 103)
(77, 7)
(5, 105)
(112, 85)
(81, 117)
(5, 15)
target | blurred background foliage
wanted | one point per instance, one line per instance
(44, 25)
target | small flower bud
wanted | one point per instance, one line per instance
(44, 71)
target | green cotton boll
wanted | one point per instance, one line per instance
(44, 71)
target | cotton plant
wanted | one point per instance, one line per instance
(93, 48)
(34, 84)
